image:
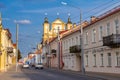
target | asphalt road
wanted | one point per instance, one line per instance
(44, 74)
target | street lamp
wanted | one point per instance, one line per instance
(81, 37)
(17, 26)
(58, 49)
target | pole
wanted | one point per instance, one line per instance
(81, 38)
(58, 49)
(82, 45)
(17, 26)
(48, 45)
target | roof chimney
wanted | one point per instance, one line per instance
(85, 23)
(74, 25)
(93, 19)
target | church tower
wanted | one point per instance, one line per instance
(46, 28)
(69, 24)
(0, 38)
(0, 25)
(0, 20)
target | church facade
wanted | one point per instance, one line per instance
(50, 30)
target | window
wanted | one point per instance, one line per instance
(67, 44)
(117, 26)
(86, 38)
(86, 60)
(76, 40)
(94, 59)
(93, 35)
(100, 32)
(79, 39)
(73, 63)
(101, 59)
(72, 41)
(64, 45)
(108, 28)
(118, 58)
(109, 59)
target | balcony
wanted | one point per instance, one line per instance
(53, 51)
(112, 41)
(75, 49)
(9, 50)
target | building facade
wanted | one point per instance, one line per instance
(6, 48)
(101, 44)
(101, 37)
(51, 32)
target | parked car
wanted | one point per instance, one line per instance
(32, 64)
(39, 66)
(25, 66)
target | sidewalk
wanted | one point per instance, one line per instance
(106, 76)
(12, 68)
(12, 74)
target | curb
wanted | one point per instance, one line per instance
(73, 73)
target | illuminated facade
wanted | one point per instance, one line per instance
(101, 40)
(6, 48)
(101, 37)
(50, 30)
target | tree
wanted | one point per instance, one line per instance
(19, 55)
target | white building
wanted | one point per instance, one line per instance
(101, 44)
(101, 37)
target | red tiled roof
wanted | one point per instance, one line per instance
(101, 17)
(14, 45)
(73, 30)
(113, 11)
(61, 32)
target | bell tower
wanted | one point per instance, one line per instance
(0, 20)
(46, 28)
(0, 37)
(69, 23)
(0, 23)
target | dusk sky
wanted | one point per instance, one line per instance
(29, 14)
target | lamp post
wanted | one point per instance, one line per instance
(58, 49)
(81, 38)
(17, 26)
(48, 50)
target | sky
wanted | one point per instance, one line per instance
(30, 14)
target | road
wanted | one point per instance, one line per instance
(45, 74)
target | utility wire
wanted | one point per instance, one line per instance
(98, 12)
(87, 12)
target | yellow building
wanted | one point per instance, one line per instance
(14, 57)
(6, 48)
(2, 55)
(51, 29)
(0, 40)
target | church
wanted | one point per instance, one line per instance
(50, 30)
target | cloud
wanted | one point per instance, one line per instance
(38, 32)
(22, 21)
